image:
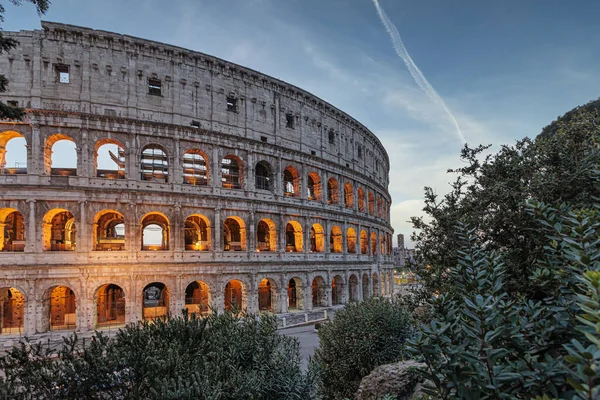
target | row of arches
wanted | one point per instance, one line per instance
(59, 233)
(110, 162)
(60, 304)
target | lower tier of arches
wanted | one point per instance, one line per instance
(81, 304)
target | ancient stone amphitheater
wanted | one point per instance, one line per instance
(194, 183)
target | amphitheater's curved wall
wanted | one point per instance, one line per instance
(263, 196)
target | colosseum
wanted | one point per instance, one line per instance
(155, 179)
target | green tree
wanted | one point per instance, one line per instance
(6, 44)
(223, 356)
(361, 337)
(491, 194)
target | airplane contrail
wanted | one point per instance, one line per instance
(412, 67)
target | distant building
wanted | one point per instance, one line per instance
(401, 255)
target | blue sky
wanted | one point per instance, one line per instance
(505, 68)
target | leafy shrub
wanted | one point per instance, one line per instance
(361, 337)
(220, 357)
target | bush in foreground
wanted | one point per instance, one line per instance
(361, 337)
(220, 357)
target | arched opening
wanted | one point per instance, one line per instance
(348, 195)
(317, 239)
(154, 164)
(267, 296)
(235, 296)
(156, 301)
(337, 290)
(382, 244)
(351, 238)
(364, 242)
(314, 186)
(13, 153)
(262, 176)
(12, 311)
(60, 307)
(197, 233)
(109, 159)
(12, 230)
(319, 292)
(155, 232)
(332, 191)
(195, 168)
(109, 231)
(371, 203)
(361, 200)
(110, 306)
(353, 288)
(291, 182)
(373, 243)
(365, 286)
(197, 298)
(234, 234)
(335, 240)
(376, 291)
(59, 232)
(293, 237)
(60, 156)
(379, 208)
(295, 294)
(266, 235)
(232, 173)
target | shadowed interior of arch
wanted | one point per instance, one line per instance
(12, 311)
(110, 306)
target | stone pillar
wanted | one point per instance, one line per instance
(215, 178)
(216, 231)
(177, 227)
(84, 237)
(281, 235)
(32, 240)
(35, 153)
(252, 295)
(29, 314)
(83, 154)
(283, 296)
(251, 233)
(177, 169)
(249, 174)
(82, 303)
(308, 304)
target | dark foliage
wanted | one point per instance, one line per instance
(220, 357)
(361, 337)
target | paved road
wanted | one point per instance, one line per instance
(308, 338)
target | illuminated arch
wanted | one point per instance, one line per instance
(364, 242)
(110, 306)
(235, 296)
(293, 237)
(351, 240)
(337, 290)
(319, 292)
(348, 195)
(333, 191)
(12, 230)
(234, 234)
(155, 231)
(314, 187)
(361, 200)
(109, 231)
(295, 289)
(59, 305)
(155, 301)
(268, 296)
(353, 288)
(59, 232)
(197, 233)
(371, 203)
(13, 304)
(198, 298)
(373, 243)
(317, 239)
(266, 235)
(335, 240)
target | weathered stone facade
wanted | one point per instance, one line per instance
(267, 198)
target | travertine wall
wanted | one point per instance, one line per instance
(107, 99)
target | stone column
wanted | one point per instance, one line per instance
(215, 178)
(308, 304)
(177, 169)
(177, 227)
(252, 295)
(249, 174)
(84, 237)
(216, 231)
(251, 233)
(283, 296)
(281, 235)
(32, 240)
